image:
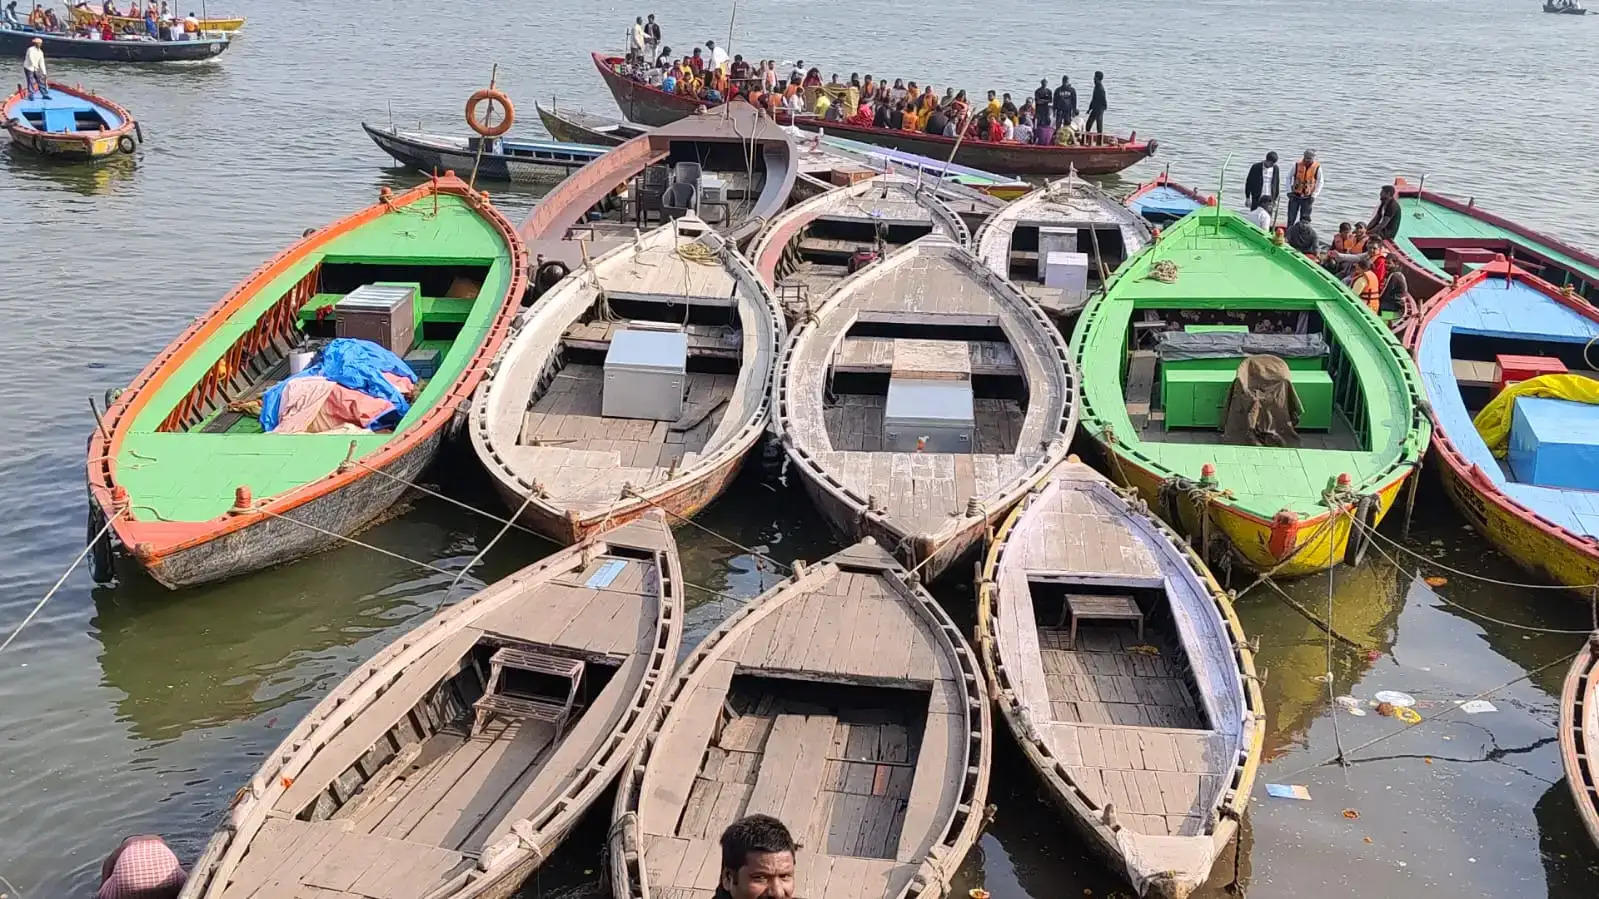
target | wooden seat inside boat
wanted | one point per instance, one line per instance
(524, 659)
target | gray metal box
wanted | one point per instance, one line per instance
(646, 371)
(382, 313)
(938, 410)
(1053, 239)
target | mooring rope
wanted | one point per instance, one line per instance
(1478, 577)
(453, 501)
(347, 539)
(526, 501)
(39, 606)
(759, 556)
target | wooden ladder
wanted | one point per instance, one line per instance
(526, 658)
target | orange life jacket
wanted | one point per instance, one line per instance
(1355, 244)
(1305, 178)
(1340, 242)
(1368, 288)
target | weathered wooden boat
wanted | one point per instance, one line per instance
(641, 381)
(92, 17)
(1122, 670)
(1549, 529)
(1163, 201)
(844, 702)
(803, 253)
(727, 167)
(73, 124)
(15, 41)
(1066, 216)
(922, 400)
(1001, 187)
(199, 493)
(454, 761)
(1579, 734)
(642, 102)
(1218, 470)
(1441, 238)
(500, 159)
(586, 128)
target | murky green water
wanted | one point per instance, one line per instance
(131, 709)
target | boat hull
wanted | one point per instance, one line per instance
(61, 47)
(648, 105)
(568, 128)
(1578, 733)
(431, 159)
(1535, 546)
(1312, 546)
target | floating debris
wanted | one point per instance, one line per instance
(1288, 791)
(1394, 698)
(1436, 581)
(1477, 706)
(1351, 814)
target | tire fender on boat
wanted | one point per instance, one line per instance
(491, 96)
(126, 144)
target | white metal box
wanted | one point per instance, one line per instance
(1067, 271)
(382, 313)
(1053, 240)
(712, 189)
(645, 374)
(928, 415)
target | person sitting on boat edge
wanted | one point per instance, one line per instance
(1340, 241)
(669, 81)
(1302, 237)
(813, 78)
(141, 867)
(1385, 221)
(1024, 128)
(1365, 284)
(758, 855)
(10, 15)
(1044, 134)
(1007, 107)
(34, 72)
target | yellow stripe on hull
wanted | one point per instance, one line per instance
(1540, 551)
(1317, 546)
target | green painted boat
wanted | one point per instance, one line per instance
(194, 490)
(1159, 351)
(1441, 238)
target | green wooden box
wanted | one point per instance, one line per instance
(1195, 398)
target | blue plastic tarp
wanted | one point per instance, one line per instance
(356, 364)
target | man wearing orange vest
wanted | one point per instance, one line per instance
(1366, 285)
(1304, 188)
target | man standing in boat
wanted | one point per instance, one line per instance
(34, 73)
(1305, 188)
(757, 860)
(652, 37)
(1260, 175)
(1065, 102)
(1044, 102)
(635, 41)
(1097, 104)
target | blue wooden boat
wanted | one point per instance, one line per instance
(1543, 515)
(502, 159)
(71, 124)
(15, 41)
(1163, 201)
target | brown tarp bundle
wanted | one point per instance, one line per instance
(1262, 407)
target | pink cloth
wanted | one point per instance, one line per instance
(312, 405)
(143, 867)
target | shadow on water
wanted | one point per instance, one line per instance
(84, 179)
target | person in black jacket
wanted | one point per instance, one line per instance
(1385, 221)
(1096, 107)
(1256, 182)
(1065, 102)
(1044, 100)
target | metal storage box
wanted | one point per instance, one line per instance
(1054, 239)
(645, 373)
(1066, 271)
(937, 414)
(382, 313)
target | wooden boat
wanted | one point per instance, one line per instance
(73, 125)
(1497, 309)
(82, 18)
(1002, 187)
(1579, 733)
(518, 161)
(199, 493)
(1441, 238)
(454, 761)
(15, 41)
(803, 253)
(1567, 7)
(924, 468)
(1163, 201)
(1066, 215)
(869, 736)
(752, 164)
(586, 128)
(1153, 757)
(1236, 294)
(553, 417)
(645, 103)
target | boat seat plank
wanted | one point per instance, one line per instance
(695, 713)
(353, 742)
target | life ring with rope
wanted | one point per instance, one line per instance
(481, 125)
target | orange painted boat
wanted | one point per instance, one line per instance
(196, 492)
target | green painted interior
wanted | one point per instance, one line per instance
(1426, 219)
(191, 476)
(1224, 263)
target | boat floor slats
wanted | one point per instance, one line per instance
(875, 355)
(666, 787)
(397, 700)
(585, 459)
(790, 778)
(322, 859)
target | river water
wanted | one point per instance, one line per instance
(129, 709)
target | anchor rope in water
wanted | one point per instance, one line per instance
(82, 554)
(512, 522)
(1466, 574)
(377, 549)
(759, 556)
(484, 551)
